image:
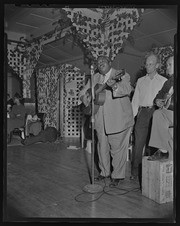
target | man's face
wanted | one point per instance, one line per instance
(170, 66)
(103, 65)
(151, 64)
(16, 100)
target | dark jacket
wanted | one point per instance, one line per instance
(165, 89)
(10, 102)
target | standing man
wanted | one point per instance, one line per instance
(146, 90)
(113, 121)
(161, 132)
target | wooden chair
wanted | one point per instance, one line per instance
(21, 131)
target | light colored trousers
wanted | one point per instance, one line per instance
(161, 135)
(115, 146)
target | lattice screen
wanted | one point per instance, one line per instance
(72, 115)
(15, 61)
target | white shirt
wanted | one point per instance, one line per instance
(107, 75)
(171, 90)
(146, 90)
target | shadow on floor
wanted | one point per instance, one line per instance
(11, 214)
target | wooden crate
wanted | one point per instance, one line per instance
(157, 180)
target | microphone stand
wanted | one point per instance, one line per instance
(92, 188)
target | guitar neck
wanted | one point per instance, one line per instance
(167, 101)
(168, 97)
(101, 88)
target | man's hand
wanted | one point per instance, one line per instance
(160, 103)
(86, 99)
(110, 82)
(126, 77)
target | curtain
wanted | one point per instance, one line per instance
(47, 85)
(47, 95)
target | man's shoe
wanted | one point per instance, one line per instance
(164, 155)
(133, 177)
(158, 155)
(115, 182)
(100, 177)
(23, 141)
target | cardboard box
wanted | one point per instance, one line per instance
(157, 180)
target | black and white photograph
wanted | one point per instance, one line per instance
(89, 105)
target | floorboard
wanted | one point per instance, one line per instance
(47, 181)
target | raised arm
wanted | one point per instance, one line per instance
(83, 98)
(122, 88)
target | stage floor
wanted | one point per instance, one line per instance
(46, 181)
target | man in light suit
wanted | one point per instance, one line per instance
(113, 121)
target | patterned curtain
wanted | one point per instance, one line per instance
(47, 84)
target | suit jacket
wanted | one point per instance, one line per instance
(116, 114)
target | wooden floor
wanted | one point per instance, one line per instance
(47, 181)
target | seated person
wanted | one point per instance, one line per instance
(161, 136)
(48, 135)
(16, 116)
(34, 126)
(10, 103)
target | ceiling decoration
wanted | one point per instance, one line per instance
(103, 31)
(50, 41)
(158, 27)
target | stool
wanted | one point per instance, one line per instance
(157, 180)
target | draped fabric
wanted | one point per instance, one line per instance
(33, 53)
(47, 95)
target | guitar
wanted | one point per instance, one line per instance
(100, 92)
(166, 101)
